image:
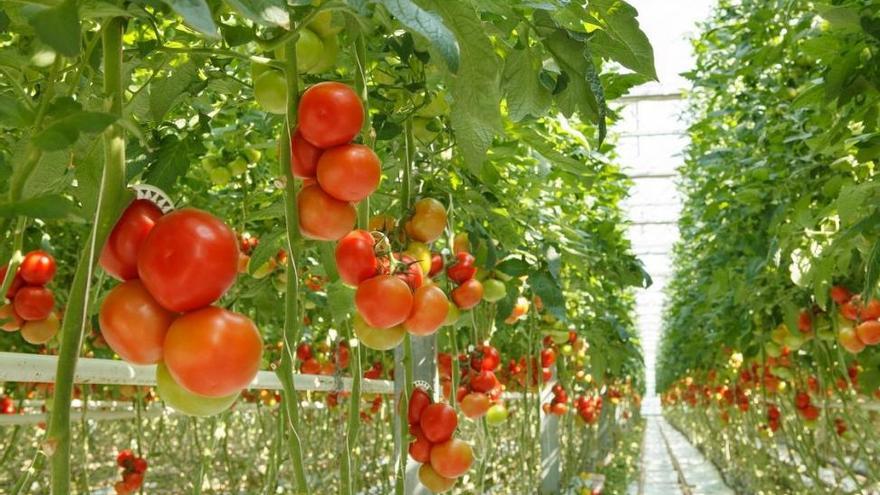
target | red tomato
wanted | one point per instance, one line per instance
(343, 355)
(33, 303)
(438, 422)
(452, 458)
(420, 449)
(429, 310)
(303, 351)
(9, 320)
(303, 157)
(323, 217)
(412, 272)
(350, 172)
(474, 405)
(418, 401)
(849, 340)
(330, 114)
(468, 294)
(869, 332)
(491, 358)
(484, 381)
(213, 352)
(436, 264)
(17, 282)
(37, 268)
(840, 294)
(433, 481)
(871, 311)
(310, 366)
(428, 222)
(134, 324)
(463, 269)
(548, 357)
(384, 301)
(356, 260)
(119, 257)
(189, 260)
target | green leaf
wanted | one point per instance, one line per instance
(475, 88)
(429, 25)
(172, 161)
(598, 92)
(13, 112)
(514, 267)
(48, 176)
(166, 91)
(548, 288)
(268, 13)
(275, 211)
(840, 16)
(265, 250)
(64, 132)
(197, 14)
(872, 272)
(525, 94)
(48, 207)
(572, 61)
(59, 28)
(869, 381)
(340, 301)
(621, 38)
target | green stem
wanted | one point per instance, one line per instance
(403, 427)
(16, 257)
(111, 198)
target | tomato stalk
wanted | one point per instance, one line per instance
(15, 259)
(292, 317)
(112, 196)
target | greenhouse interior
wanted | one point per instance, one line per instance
(374, 247)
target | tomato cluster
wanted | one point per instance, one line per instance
(323, 360)
(7, 405)
(859, 325)
(558, 405)
(32, 305)
(173, 268)
(443, 457)
(133, 470)
(589, 408)
(480, 388)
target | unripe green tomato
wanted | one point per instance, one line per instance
(494, 290)
(309, 50)
(496, 415)
(772, 349)
(327, 59)
(452, 315)
(209, 162)
(253, 155)
(322, 24)
(238, 166)
(220, 176)
(185, 401)
(258, 70)
(270, 90)
(567, 350)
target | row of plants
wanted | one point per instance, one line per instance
(769, 357)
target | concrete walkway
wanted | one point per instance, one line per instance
(672, 466)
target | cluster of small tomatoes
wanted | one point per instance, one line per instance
(7, 405)
(859, 325)
(443, 457)
(133, 470)
(558, 405)
(480, 390)
(32, 305)
(173, 268)
(589, 408)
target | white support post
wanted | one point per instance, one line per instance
(424, 356)
(550, 451)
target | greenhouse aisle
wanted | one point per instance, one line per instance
(672, 466)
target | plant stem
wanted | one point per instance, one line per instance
(111, 197)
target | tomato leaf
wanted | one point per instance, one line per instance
(621, 39)
(514, 267)
(525, 94)
(872, 272)
(545, 286)
(173, 159)
(266, 249)
(166, 91)
(269, 13)
(569, 55)
(49, 207)
(13, 112)
(58, 27)
(429, 25)
(197, 14)
(64, 132)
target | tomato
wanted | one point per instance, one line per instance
(484, 381)
(189, 260)
(270, 91)
(349, 172)
(40, 331)
(496, 415)
(840, 294)
(419, 252)
(850, 341)
(303, 351)
(433, 481)
(850, 309)
(452, 315)
(380, 339)
(411, 272)
(420, 449)
(213, 352)
(871, 311)
(356, 259)
(468, 294)
(33, 303)
(436, 264)
(185, 401)
(474, 405)
(438, 422)
(494, 290)
(418, 401)
(558, 409)
(429, 310)
(869, 332)
(548, 357)
(384, 301)
(17, 282)
(343, 355)
(452, 458)
(303, 157)
(328, 57)
(308, 50)
(120, 253)
(461, 243)
(9, 320)
(37, 268)
(382, 223)
(490, 358)
(323, 217)
(330, 114)
(810, 413)
(134, 324)
(310, 366)
(463, 269)
(428, 222)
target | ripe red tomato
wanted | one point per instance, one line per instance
(869, 332)
(548, 357)
(850, 309)
(484, 381)
(343, 355)
(213, 352)
(303, 157)
(436, 264)
(468, 294)
(17, 282)
(475, 405)
(188, 260)
(37, 268)
(870, 311)
(303, 351)
(420, 449)
(418, 401)
(323, 217)
(491, 358)
(350, 172)
(463, 269)
(9, 320)
(840, 294)
(411, 271)
(330, 114)
(134, 324)
(428, 222)
(33, 303)
(433, 481)
(849, 340)
(119, 257)
(356, 260)
(438, 422)
(429, 310)
(452, 458)
(384, 301)
(310, 366)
